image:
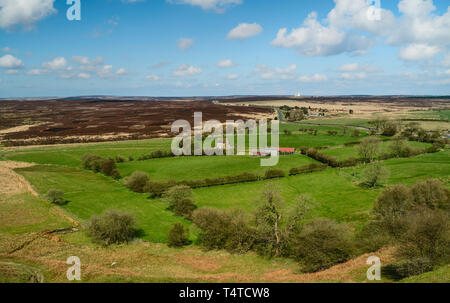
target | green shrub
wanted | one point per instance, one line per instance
(156, 188)
(224, 230)
(137, 181)
(274, 173)
(407, 268)
(432, 194)
(111, 227)
(109, 168)
(372, 237)
(56, 196)
(368, 149)
(322, 244)
(374, 174)
(426, 235)
(390, 130)
(313, 167)
(184, 208)
(178, 236)
(176, 194)
(393, 203)
(92, 162)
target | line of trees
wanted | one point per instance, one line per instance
(102, 165)
(140, 182)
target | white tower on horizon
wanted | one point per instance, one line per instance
(298, 94)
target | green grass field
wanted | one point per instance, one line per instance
(336, 192)
(90, 194)
(345, 152)
(193, 168)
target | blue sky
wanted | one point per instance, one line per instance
(224, 47)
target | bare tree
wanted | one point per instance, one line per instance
(368, 149)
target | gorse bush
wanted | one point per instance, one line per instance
(432, 194)
(100, 164)
(56, 196)
(322, 244)
(156, 155)
(180, 201)
(274, 173)
(224, 230)
(137, 181)
(313, 167)
(178, 236)
(407, 268)
(427, 235)
(111, 227)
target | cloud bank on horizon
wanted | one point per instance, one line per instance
(202, 47)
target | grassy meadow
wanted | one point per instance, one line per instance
(336, 192)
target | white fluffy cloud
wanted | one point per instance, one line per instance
(353, 76)
(313, 78)
(153, 77)
(351, 28)
(86, 61)
(10, 62)
(185, 43)
(315, 39)
(121, 72)
(84, 76)
(216, 5)
(418, 52)
(232, 77)
(244, 31)
(55, 64)
(358, 67)
(268, 72)
(225, 63)
(24, 12)
(186, 70)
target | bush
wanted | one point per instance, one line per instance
(432, 194)
(368, 149)
(111, 227)
(176, 194)
(109, 168)
(56, 196)
(184, 208)
(92, 162)
(408, 268)
(274, 173)
(374, 174)
(390, 130)
(214, 225)
(120, 159)
(372, 237)
(178, 236)
(426, 235)
(223, 230)
(156, 189)
(137, 181)
(393, 203)
(313, 167)
(322, 244)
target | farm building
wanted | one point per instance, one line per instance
(282, 151)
